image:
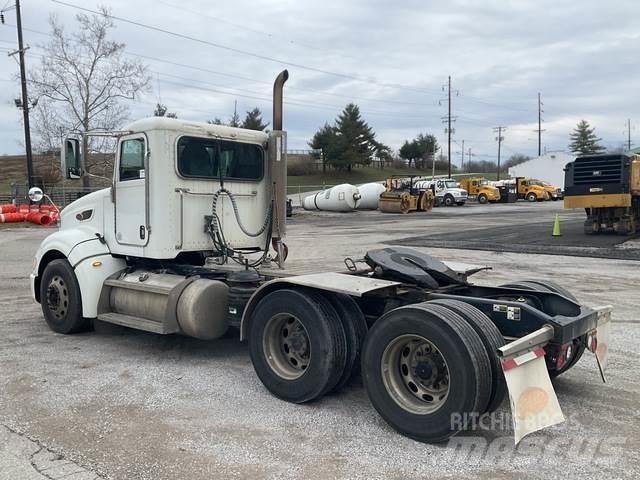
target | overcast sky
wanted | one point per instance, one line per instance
(391, 58)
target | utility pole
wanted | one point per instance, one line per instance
(449, 128)
(25, 98)
(629, 134)
(462, 161)
(448, 119)
(499, 138)
(469, 157)
(540, 130)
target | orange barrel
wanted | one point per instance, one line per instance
(45, 208)
(8, 208)
(11, 217)
(34, 208)
(23, 208)
(39, 218)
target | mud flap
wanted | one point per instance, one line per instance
(534, 404)
(598, 339)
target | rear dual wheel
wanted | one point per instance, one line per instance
(426, 371)
(304, 344)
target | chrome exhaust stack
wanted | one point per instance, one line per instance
(278, 169)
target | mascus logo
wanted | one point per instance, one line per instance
(595, 190)
(597, 173)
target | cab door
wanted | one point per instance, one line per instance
(131, 191)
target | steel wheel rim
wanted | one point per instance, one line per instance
(415, 374)
(286, 346)
(57, 297)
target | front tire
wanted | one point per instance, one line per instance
(61, 299)
(531, 197)
(297, 345)
(482, 198)
(449, 200)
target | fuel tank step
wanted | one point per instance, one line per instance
(133, 322)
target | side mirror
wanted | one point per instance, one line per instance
(35, 194)
(70, 157)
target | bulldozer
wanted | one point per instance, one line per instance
(401, 195)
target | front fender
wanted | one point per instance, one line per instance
(66, 242)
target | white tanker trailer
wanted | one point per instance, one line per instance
(341, 198)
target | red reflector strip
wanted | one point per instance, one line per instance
(513, 362)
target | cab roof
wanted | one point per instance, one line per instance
(197, 128)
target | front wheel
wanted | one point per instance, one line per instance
(449, 200)
(531, 197)
(482, 198)
(61, 300)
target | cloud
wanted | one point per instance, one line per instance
(579, 54)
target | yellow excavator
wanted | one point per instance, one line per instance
(402, 196)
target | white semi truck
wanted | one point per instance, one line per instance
(189, 240)
(447, 191)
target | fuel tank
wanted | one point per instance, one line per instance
(192, 306)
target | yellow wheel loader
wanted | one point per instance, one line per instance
(402, 196)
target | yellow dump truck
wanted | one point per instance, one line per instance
(555, 192)
(480, 188)
(530, 190)
(608, 188)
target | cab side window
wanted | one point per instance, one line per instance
(132, 159)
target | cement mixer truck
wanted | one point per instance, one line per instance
(189, 239)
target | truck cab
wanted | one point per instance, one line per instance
(530, 190)
(555, 193)
(447, 191)
(482, 189)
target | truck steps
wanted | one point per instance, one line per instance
(133, 322)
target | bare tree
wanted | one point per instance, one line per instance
(82, 81)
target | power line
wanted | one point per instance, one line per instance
(253, 30)
(239, 51)
(261, 81)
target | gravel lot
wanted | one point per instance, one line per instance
(119, 404)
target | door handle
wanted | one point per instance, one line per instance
(142, 232)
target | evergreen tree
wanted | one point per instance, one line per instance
(351, 141)
(584, 140)
(234, 121)
(357, 140)
(253, 120)
(215, 121)
(161, 111)
(420, 149)
(323, 140)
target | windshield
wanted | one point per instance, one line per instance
(451, 183)
(484, 181)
